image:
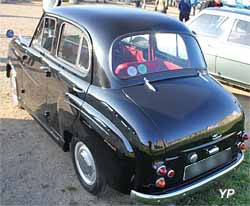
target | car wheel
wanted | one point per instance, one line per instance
(86, 164)
(14, 89)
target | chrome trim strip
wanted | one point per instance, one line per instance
(75, 99)
(159, 198)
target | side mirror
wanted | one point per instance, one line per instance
(9, 33)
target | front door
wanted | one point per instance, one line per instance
(37, 69)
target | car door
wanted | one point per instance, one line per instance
(37, 69)
(70, 80)
(208, 29)
(232, 61)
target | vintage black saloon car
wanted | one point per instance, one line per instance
(128, 93)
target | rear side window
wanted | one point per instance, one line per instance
(240, 33)
(84, 55)
(208, 24)
(69, 43)
(73, 46)
(45, 34)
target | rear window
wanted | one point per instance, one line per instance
(155, 52)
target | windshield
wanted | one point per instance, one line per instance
(142, 54)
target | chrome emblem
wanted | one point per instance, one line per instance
(216, 136)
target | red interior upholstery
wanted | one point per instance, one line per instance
(134, 57)
(171, 66)
(133, 54)
(152, 66)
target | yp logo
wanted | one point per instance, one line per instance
(226, 193)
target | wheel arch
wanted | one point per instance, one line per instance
(118, 166)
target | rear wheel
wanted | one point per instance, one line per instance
(86, 164)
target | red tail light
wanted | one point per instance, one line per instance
(242, 146)
(160, 183)
(245, 136)
(171, 173)
(162, 170)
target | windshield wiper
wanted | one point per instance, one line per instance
(149, 85)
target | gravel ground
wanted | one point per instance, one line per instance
(33, 169)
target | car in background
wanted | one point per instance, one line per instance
(242, 4)
(224, 35)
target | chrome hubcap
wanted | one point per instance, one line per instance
(85, 163)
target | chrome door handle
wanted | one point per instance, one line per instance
(75, 89)
(46, 70)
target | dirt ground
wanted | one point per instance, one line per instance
(33, 169)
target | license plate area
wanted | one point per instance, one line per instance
(207, 164)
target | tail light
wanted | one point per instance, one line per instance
(160, 183)
(171, 173)
(162, 170)
(245, 136)
(242, 146)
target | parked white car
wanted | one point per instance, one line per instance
(224, 35)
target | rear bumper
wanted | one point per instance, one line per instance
(154, 199)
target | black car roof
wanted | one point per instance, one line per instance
(245, 12)
(105, 23)
(117, 20)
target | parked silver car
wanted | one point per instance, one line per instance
(224, 35)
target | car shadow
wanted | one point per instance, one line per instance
(36, 171)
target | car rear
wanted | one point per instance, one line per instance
(201, 124)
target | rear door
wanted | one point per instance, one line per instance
(209, 29)
(37, 68)
(233, 60)
(70, 77)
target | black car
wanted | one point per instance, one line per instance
(128, 93)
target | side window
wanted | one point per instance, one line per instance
(240, 33)
(37, 39)
(208, 24)
(84, 55)
(69, 43)
(45, 34)
(48, 33)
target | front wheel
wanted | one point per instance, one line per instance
(86, 164)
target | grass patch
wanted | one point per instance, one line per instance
(239, 180)
(71, 188)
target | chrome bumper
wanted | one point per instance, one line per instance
(154, 199)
